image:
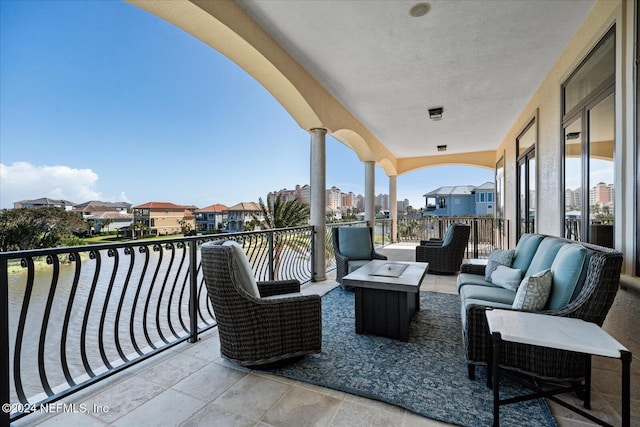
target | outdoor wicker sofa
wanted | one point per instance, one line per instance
(258, 322)
(445, 256)
(585, 281)
(353, 248)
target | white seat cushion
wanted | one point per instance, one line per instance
(243, 269)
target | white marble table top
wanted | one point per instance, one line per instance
(563, 333)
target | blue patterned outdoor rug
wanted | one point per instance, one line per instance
(427, 375)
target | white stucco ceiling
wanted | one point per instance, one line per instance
(481, 60)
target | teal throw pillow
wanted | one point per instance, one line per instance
(355, 242)
(505, 277)
(533, 292)
(498, 257)
(567, 269)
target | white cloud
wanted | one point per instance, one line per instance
(22, 180)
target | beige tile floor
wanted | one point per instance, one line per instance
(191, 385)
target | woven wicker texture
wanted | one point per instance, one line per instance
(342, 261)
(255, 331)
(592, 305)
(445, 258)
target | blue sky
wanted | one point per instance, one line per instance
(101, 100)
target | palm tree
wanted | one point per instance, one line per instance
(279, 214)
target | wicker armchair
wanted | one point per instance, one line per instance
(353, 247)
(258, 322)
(445, 256)
(591, 305)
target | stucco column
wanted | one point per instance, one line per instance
(318, 200)
(369, 192)
(393, 208)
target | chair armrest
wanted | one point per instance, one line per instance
(376, 255)
(278, 287)
(473, 269)
(432, 241)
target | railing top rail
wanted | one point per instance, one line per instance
(340, 224)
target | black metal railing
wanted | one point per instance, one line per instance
(487, 233)
(76, 315)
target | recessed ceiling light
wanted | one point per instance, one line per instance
(436, 113)
(442, 148)
(419, 9)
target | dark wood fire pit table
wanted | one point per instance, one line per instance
(387, 296)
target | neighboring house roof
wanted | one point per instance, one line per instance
(245, 206)
(94, 203)
(115, 215)
(95, 208)
(217, 208)
(486, 186)
(160, 205)
(188, 214)
(45, 201)
(457, 190)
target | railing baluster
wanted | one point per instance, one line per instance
(5, 386)
(193, 292)
(164, 285)
(180, 245)
(74, 257)
(271, 255)
(51, 259)
(103, 354)
(125, 285)
(85, 320)
(142, 249)
(17, 353)
(145, 329)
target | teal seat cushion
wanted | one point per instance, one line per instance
(544, 256)
(448, 236)
(487, 293)
(567, 269)
(355, 242)
(356, 264)
(465, 279)
(525, 250)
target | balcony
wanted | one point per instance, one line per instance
(190, 384)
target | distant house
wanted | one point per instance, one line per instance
(165, 218)
(211, 218)
(240, 214)
(93, 207)
(44, 201)
(112, 220)
(484, 196)
(461, 200)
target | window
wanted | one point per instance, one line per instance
(490, 197)
(442, 202)
(482, 197)
(589, 146)
(431, 203)
(526, 178)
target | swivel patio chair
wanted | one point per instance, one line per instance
(445, 256)
(258, 322)
(353, 248)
